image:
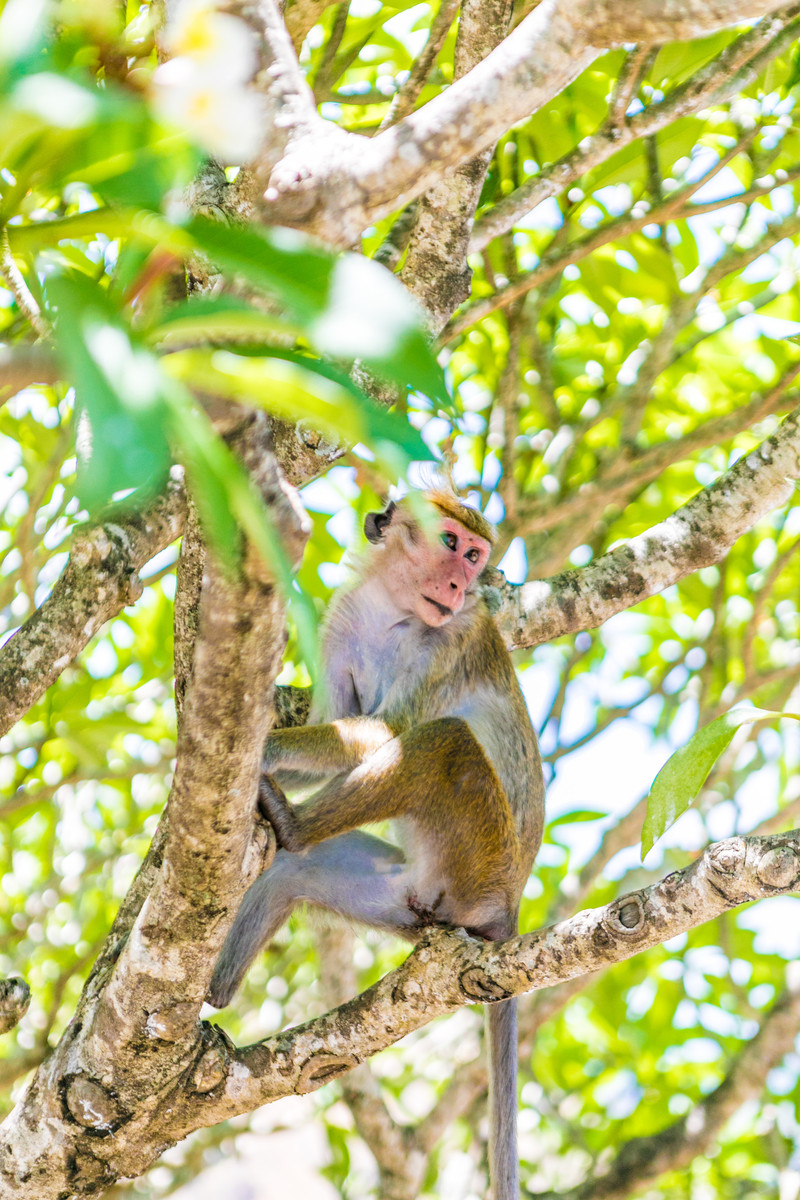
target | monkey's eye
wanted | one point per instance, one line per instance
(472, 555)
(450, 540)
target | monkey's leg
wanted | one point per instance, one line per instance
(437, 777)
(316, 751)
(358, 876)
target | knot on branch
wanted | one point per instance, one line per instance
(626, 917)
(91, 1105)
(321, 1069)
(408, 990)
(727, 858)
(15, 996)
(478, 985)
(779, 867)
(211, 1069)
(173, 1023)
(212, 1066)
(725, 864)
(314, 440)
(107, 549)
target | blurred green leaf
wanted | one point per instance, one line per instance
(219, 317)
(351, 307)
(129, 411)
(120, 429)
(299, 389)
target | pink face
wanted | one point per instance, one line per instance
(452, 565)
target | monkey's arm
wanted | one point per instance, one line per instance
(319, 751)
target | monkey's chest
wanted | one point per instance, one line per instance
(385, 665)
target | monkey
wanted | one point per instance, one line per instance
(421, 721)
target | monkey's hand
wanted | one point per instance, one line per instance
(280, 814)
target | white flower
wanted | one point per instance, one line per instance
(202, 89)
(216, 42)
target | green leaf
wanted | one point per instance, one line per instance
(213, 318)
(350, 307)
(279, 260)
(679, 781)
(121, 440)
(296, 388)
(580, 814)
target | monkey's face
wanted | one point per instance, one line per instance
(444, 571)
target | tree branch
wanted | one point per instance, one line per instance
(450, 969)
(145, 991)
(696, 535)
(406, 97)
(641, 1160)
(721, 79)
(100, 578)
(629, 472)
(672, 209)
(435, 270)
(21, 366)
(290, 108)
(335, 186)
(15, 282)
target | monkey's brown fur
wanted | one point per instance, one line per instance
(422, 722)
(451, 505)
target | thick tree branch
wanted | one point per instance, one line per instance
(232, 653)
(335, 186)
(145, 992)
(448, 970)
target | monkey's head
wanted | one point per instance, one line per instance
(431, 576)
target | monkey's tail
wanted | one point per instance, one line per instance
(501, 1031)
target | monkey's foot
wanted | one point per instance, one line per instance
(425, 913)
(278, 811)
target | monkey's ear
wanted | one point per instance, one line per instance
(376, 524)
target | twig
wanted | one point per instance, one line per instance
(736, 67)
(19, 289)
(404, 100)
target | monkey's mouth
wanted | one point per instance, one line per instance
(443, 609)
